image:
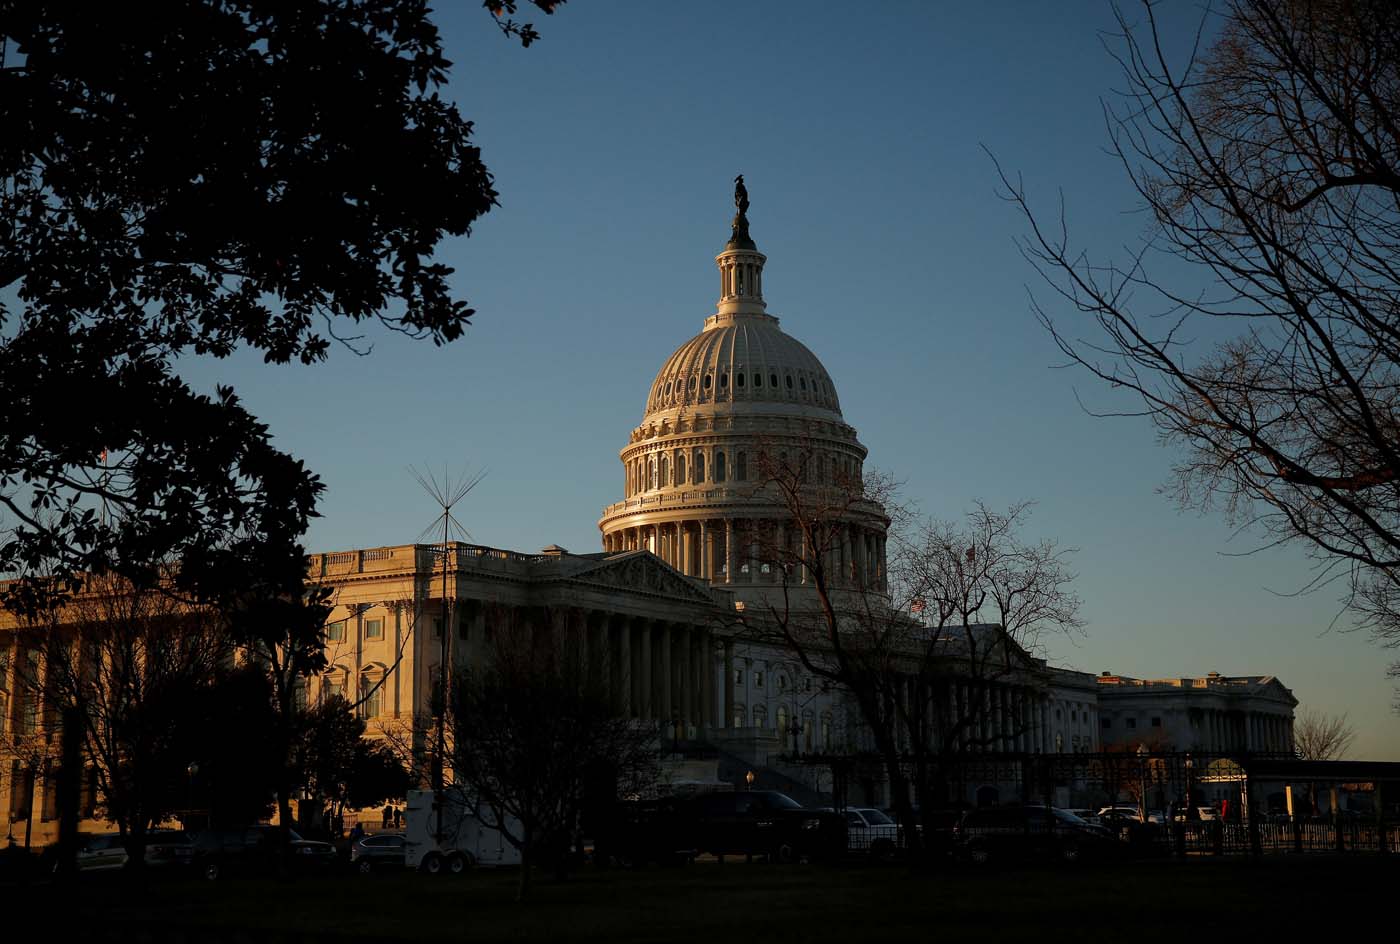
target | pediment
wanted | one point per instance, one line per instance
(644, 572)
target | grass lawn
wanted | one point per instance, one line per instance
(706, 902)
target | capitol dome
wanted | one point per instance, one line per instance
(724, 404)
(748, 363)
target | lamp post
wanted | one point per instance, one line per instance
(1142, 783)
(748, 780)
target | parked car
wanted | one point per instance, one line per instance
(1089, 816)
(1021, 833)
(639, 832)
(218, 852)
(381, 851)
(165, 848)
(764, 822)
(1116, 817)
(872, 831)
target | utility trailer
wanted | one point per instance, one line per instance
(466, 841)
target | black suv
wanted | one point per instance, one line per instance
(763, 822)
(254, 849)
(641, 831)
(1029, 832)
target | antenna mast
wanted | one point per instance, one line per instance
(446, 493)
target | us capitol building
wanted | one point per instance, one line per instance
(679, 559)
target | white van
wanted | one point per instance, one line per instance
(466, 841)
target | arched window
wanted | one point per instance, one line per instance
(719, 465)
(723, 381)
(739, 379)
(758, 380)
(680, 468)
(707, 382)
(698, 471)
(371, 695)
(741, 472)
(826, 732)
(665, 480)
(773, 381)
(782, 721)
(692, 384)
(760, 716)
(739, 718)
(651, 470)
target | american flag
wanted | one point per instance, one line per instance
(916, 605)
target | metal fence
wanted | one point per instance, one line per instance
(1167, 802)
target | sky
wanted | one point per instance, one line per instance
(863, 133)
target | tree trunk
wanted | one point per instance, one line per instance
(522, 891)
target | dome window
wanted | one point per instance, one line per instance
(692, 384)
(758, 380)
(668, 388)
(789, 381)
(738, 380)
(707, 381)
(773, 381)
(723, 381)
(803, 382)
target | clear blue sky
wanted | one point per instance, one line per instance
(859, 129)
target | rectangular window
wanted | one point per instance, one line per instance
(1156, 722)
(437, 627)
(332, 687)
(335, 632)
(299, 693)
(374, 629)
(1132, 723)
(758, 680)
(738, 676)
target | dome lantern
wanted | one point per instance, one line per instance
(741, 264)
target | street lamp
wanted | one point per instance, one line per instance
(1142, 782)
(748, 780)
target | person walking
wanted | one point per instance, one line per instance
(388, 816)
(398, 817)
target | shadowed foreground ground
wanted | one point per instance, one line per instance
(754, 903)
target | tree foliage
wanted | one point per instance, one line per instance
(1270, 164)
(207, 176)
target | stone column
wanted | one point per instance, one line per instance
(705, 552)
(598, 649)
(686, 673)
(645, 710)
(730, 557)
(667, 705)
(682, 548)
(622, 687)
(728, 684)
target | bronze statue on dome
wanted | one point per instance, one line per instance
(740, 225)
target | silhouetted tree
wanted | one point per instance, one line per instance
(200, 178)
(1270, 163)
(130, 666)
(1318, 736)
(338, 764)
(533, 736)
(916, 648)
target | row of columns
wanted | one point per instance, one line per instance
(650, 669)
(719, 550)
(1223, 730)
(988, 716)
